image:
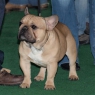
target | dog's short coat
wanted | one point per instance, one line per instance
(45, 41)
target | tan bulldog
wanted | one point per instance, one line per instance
(45, 41)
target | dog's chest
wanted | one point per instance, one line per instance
(36, 56)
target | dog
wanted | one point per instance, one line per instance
(45, 41)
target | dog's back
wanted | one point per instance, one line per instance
(66, 39)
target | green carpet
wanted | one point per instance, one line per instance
(9, 44)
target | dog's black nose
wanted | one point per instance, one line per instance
(22, 32)
(25, 28)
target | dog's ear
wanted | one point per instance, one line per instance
(51, 22)
(26, 12)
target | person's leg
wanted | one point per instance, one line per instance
(35, 2)
(1, 58)
(65, 10)
(21, 4)
(2, 8)
(92, 26)
(38, 4)
(87, 20)
(81, 11)
(6, 78)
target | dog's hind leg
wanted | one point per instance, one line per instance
(41, 74)
(72, 72)
(72, 55)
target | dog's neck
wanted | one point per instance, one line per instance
(39, 45)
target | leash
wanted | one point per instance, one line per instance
(39, 8)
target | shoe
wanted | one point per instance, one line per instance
(84, 39)
(66, 66)
(9, 79)
(43, 6)
(11, 7)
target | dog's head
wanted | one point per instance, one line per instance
(33, 28)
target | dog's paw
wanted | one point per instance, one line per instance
(25, 85)
(73, 77)
(49, 87)
(39, 78)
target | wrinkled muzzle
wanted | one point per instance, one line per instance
(25, 35)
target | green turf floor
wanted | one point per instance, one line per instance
(9, 44)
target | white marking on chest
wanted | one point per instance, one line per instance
(35, 55)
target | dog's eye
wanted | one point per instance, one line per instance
(34, 27)
(20, 23)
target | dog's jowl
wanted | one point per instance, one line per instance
(45, 41)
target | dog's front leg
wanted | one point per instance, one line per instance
(41, 74)
(25, 66)
(51, 71)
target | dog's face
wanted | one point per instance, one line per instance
(33, 29)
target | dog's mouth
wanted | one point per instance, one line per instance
(26, 37)
(22, 38)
